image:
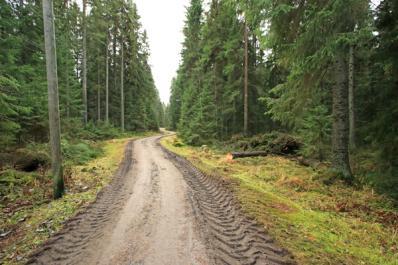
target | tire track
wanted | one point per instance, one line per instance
(233, 237)
(69, 245)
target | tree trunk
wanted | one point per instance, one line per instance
(98, 94)
(246, 85)
(67, 72)
(114, 48)
(67, 88)
(351, 94)
(53, 101)
(84, 59)
(340, 134)
(122, 86)
(107, 81)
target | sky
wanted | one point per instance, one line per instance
(164, 21)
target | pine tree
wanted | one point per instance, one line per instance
(53, 105)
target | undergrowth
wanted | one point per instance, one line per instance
(317, 223)
(29, 216)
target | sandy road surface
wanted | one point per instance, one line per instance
(160, 210)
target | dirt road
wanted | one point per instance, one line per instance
(160, 210)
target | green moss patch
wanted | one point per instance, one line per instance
(318, 223)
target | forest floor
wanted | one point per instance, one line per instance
(317, 223)
(160, 210)
(29, 216)
(169, 203)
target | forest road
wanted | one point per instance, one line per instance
(160, 210)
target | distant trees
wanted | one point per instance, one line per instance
(23, 93)
(317, 69)
(208, 92)
(91, 57)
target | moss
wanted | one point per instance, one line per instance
(318, 223)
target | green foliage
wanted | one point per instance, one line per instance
(12, 180)
(23, 88)
(9, 126)
(293, 47)
(79, 153)
(315, 132)
(385, 121)
(206, 96)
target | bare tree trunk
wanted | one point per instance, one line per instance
(67, 72)
(246, 85)
(67, 93)
(340, 134)
(98, 94)
(114, 47)
(85, 109)
(351, 86)
(122, 86)
(107, 80)
(53, 101)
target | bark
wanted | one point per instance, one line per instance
(107, 81)
(122, 87)
(67, 73)
(53, 101)
(340, 134)
(246, 84)
(98, 94)
(67, 94)
(84, 61)
(351, 86)
(114, 48)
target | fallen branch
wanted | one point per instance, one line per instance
(248, 154)
(300, 160)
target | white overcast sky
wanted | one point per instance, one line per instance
(163, 20)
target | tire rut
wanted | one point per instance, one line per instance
(68, 245)
(233, 238)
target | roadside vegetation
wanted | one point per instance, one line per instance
(29, 216)
(319, 222)
(322, 71)
(67, 86)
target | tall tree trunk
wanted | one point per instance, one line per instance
(340, 133)
(84, 59)
(67, 69)
(115, 71)
(122, 86)
(53, 101)
(107, 80)
(67, 92)
(216, 98)
(246, 85)
(98, 94)
(351, 86)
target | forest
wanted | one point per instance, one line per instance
(279, 142)
(103, 72)
(325, 72)
(105, 82)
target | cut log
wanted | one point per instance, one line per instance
(248, 154)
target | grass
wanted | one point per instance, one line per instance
(32, 216)
(317, 223)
